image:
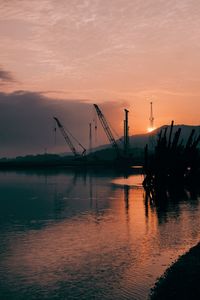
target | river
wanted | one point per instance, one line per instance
(88, 235)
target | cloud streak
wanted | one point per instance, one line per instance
(5, 76)
(69, 41)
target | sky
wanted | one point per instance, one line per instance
(62, 56)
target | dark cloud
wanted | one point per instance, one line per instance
(5, 76)
(26, 122)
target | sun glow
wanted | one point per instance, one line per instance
(150, 129)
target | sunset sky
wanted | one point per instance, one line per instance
(61, 55)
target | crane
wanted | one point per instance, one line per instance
(68, 140)
(107, 129)
(151, 118)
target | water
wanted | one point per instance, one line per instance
(70, 235)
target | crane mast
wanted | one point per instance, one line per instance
(67, 139)
(106, 128)
(126, 133)
(151, 119)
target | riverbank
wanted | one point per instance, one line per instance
(181, 280)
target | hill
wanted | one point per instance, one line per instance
(140, 140)
(100, 155)
(137, 142)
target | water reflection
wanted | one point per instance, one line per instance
(166, 202)
(88, 235)
(126, 197)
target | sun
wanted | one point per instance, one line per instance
(150, 129)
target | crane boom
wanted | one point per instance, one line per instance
(106, 128)
(68, 140)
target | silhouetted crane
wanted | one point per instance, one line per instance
(107, 129)
(151, 119)
(68, 140)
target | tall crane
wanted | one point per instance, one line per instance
(151, 119)
(107, 129)
(68, 140)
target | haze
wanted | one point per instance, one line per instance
(121, 53)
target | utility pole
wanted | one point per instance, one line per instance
(126, 133)
(90, 137)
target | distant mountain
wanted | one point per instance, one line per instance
(104, 153)
(140, 140)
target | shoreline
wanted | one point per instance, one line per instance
(181, 280)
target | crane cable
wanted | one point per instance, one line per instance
(95, 119)
(115, 132)
(55, 132)
(75, 139)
